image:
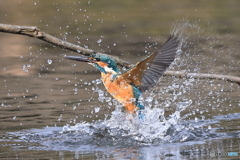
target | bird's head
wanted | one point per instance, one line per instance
(102, 62)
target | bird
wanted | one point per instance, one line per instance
(127, 87)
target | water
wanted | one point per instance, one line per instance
(123, 140)
(53, 108)
(160, 135)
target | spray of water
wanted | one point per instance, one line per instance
(157, 126)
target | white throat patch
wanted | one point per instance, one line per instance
(109, 70)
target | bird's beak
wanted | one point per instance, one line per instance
(80, 58)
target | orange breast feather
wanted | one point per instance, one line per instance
(121, 91)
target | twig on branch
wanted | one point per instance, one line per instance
(36, 33)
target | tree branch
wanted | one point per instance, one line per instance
(36, 33)
(32, 31)
(183, 74)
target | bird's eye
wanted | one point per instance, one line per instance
(97, 59)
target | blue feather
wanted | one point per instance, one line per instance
(141, 107)
(104, 58)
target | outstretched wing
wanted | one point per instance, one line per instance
(147, 72)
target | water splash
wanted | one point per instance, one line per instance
(153, 129)
(124, 131)
(157, 126)
(203, 50)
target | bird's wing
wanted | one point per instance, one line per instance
(147, 72)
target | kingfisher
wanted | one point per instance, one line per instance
(127, 87)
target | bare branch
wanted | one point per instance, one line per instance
(183, 74)
(36, 33)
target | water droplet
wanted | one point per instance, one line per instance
(98, 81)
(60, 118)
(74, 107)
(108, 99)
(149, 99)
(97, 109)
(196, 119)
(99, 41)
(49, 61)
